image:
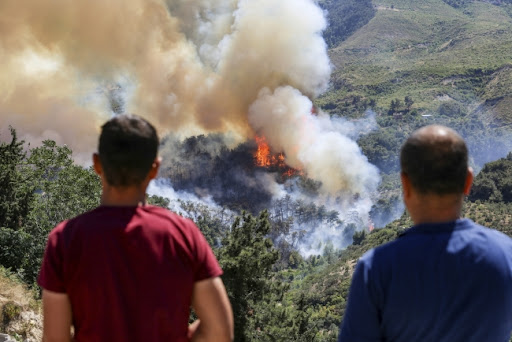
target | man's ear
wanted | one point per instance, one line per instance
(154, 168)
(406, 185)
(97, 164)
(468, 182)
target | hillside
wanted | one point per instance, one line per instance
(325, 289)
(19, 310)
(416, 63)
(431, 52)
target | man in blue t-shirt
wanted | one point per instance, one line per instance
(446, 279)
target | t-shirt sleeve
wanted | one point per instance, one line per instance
(206, 264)
(361, 319)
(51, 274)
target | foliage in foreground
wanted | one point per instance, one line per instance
(247, 257)
(494, 182)
(39, 188)
(298, 300)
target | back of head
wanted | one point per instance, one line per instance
(128, 147)
(435, 159)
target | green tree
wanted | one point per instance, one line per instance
(494, 182)
(16, 198)
(450, 108)
(408, 102)
(63, 190)
(394, 106)
(278, 319)
(36, 193)
(158, 201)
(214, 223)
(16, 184)
(358, 237)
(247, 257)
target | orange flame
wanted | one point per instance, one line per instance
(262, 154)
(264, 158)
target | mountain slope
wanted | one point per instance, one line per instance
(431, 52)
(325, 291)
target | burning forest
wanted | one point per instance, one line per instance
(208, 171)
(228, 83)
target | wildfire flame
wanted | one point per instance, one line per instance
(371, 226)
(264, 158)
(262, 154)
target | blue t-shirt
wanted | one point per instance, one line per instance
(449, 282)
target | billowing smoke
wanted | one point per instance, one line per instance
(312, 142)
(195, 65)
(200, 66)
(179, 199)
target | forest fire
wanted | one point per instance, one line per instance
(264, 158)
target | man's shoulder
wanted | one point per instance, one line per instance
(163, 221)
(100, 217)
(155, 212)
(496, 245)
(480, 238)
(495, 233)
(69, 223)
(487, 236)
(383, 251)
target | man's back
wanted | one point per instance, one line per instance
(129, 272)
(437, 282)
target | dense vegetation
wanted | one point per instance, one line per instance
(42, 186)
(38, 190)
(431, 53)
(462, 3)
(494, 182)
(345, 17)
(276, 294)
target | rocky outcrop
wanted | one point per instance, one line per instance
(20, 311)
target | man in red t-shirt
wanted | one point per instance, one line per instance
(127, 271)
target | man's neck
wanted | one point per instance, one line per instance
(436, 209)
(123, 196)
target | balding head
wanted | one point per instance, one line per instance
(435, 159)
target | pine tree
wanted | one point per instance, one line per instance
(247, 257)
(16, 186)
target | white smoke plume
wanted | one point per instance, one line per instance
(163, 188)
(312, 143)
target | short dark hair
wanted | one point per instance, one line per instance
(435, 159)
(128, 146)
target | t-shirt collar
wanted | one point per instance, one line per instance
(429, 228)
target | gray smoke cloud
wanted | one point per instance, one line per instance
(245, 66)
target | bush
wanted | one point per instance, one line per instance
(10, 311)
(494, 182)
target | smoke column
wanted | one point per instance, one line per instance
(247, 66)
(311, 143)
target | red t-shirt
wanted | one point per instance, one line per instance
(128, 272)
